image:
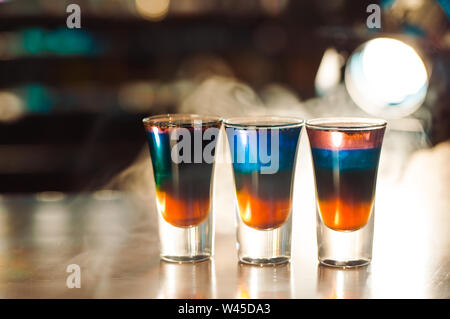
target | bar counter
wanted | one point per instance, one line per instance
(113, 238)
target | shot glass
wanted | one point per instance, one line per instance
(182, 150)
(263, 152)
(345, 154)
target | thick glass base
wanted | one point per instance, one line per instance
(344, 264)
(185, 259)
(264, 247)
(345, 249)
(265, 261)
(186, 244)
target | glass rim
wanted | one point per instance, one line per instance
(252, 121)
(346, 123)
(180, 118)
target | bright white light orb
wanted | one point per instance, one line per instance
(386, 77)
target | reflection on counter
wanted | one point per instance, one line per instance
(190, 280)
(264, 282)
(338, 283)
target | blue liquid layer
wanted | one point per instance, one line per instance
(248, 155)
(346, 159)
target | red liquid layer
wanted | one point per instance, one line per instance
(262, 213)
(264, 200)
(344, 215)
(182, 212)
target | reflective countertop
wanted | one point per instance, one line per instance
(113, 237)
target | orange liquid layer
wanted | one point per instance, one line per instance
(182, 212)
(262, 213)
(345, 215)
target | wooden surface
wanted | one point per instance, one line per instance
(113, 238)
(114, 241)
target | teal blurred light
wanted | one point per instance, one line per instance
(33, 40)
(63, 41)
(38, 98)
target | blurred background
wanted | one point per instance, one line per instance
(72, 100)
(73, 154)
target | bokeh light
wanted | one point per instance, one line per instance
(153, 9)
(329, 73)
(386, 77)
(11, 106)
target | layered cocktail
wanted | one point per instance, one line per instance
(182, 149)
(263, 159)
(345, 154)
